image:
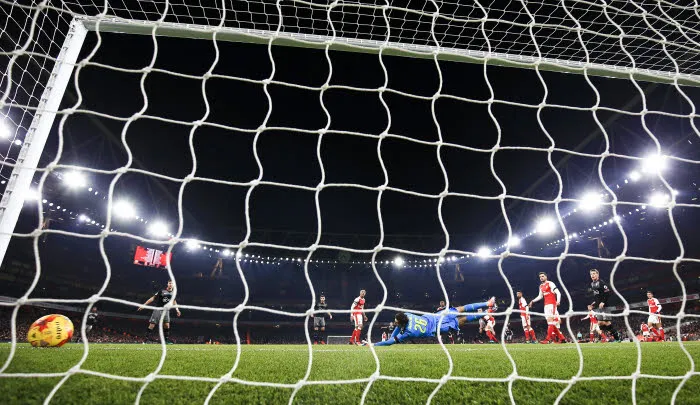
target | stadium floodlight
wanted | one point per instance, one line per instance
(5, 131)
(83, 218)
(654, 164)
(158, 228)
(226, 252)
(590, 201)
(658, 200)
(192, 244)
(17, 142)
(514, 241)
(74, 179)
(32, 195)
(124, 209)
(483, 251)
(545, 226)
(239, 254)
(635, 175)
(398, 261)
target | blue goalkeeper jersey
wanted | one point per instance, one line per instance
(422, 326)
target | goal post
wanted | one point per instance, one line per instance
(25, 167)
(386, 47)
(50, 99)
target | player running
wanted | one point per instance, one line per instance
(594, 326)
(601, 293)
(654, 320)
(320, 320)
(358, 317)
(525, 318)
(161, 297)
(552, 298)
(412, 326)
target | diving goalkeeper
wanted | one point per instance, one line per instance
(412, 326)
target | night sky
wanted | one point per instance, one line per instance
(350, 152)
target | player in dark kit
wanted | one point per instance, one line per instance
(159, 299)
(91, 320)
(601, 294)
(320, 320)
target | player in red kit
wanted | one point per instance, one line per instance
(525, 318)
(552, 298)
(645, 332)
(490, 327)
(594, 326)
(358, 317)
(654, 320)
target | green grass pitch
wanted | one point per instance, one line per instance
(287, 364)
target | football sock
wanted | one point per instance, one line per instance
(166, 333)
(559, 334)
(663, 335)
(474, 307)
(315, 338)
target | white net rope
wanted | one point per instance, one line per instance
(658, 38)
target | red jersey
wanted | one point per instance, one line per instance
(654, 306)
(645, 327)
(358, 305)
(591, 316)
(522, 305)
(490, 319)
(549, 291)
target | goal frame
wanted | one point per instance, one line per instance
(37, 135)
(345, 337)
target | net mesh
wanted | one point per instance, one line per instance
(657, 38)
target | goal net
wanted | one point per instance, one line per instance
(260, 154)
(338, 340)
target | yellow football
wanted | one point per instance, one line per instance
(50, 331)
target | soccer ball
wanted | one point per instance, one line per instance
(50, 331)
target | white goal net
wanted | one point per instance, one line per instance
(261, 154)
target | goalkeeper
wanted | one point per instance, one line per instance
(412, 326)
